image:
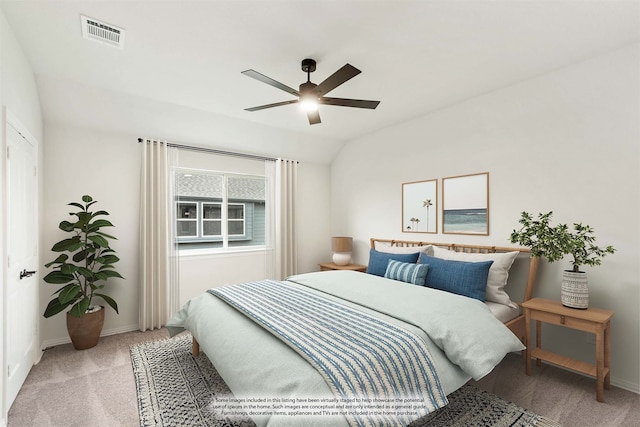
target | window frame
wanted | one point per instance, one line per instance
(196, 219)
(251, 215)
(243, 219)
(203, 220)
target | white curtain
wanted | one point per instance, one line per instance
(285, 251)
(158, 257)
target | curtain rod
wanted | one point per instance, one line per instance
(214, 151)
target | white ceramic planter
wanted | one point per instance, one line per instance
(575, 289)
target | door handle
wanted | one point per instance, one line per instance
(24, 273)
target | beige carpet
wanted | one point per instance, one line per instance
(84, 388)
(95, 387)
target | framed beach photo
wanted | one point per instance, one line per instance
(420, 206)
(465, 204)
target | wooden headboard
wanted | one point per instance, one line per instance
(516, 325)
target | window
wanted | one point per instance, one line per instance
(187, 217)
(218, 210)
(235, 219)
(211, 219)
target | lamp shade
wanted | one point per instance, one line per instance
(341, 244)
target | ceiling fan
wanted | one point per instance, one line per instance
(310, 94)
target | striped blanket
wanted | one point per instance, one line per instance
(362, 358)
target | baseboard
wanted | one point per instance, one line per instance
(105, 332)
(626, 385)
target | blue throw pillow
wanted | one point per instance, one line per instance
(459, 277)
(406, 272)
(378, 261)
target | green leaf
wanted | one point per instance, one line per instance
(79, 256)
(93, 215)
(76, 205)
(111, 273)
(61, 258)
(83, 219)
(108, 300)
(99, 240)
(99, 223)
(66, 244)
(86, 273)
(68, 268)
(54, 308)
(57, 277)
(107, 259)
(66, 226)
(69, 294)
(87, 198)
(108, 236)
(80, 308)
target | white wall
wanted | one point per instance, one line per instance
(567, 141)
(19, 95)
(107, 166)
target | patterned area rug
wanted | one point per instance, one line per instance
(176, 389)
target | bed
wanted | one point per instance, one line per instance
(258, 366)
(513, 319)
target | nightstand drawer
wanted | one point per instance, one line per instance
(559, 319)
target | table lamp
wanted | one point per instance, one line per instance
(341, 247)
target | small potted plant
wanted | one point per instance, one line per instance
(83, 267)
(554, 242)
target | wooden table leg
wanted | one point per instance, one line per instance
(607, 355)
(195, 347)
(538, 339)
(527, 342)
(600, 362)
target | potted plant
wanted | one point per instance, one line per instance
(83, 267)
(554, 242)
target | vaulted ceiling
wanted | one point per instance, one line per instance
(186, 57)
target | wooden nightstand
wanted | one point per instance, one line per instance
(594, 320)
(327, 266)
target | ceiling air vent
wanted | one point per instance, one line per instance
(94, 29)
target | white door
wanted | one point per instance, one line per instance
(22, 260)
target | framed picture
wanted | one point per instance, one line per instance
(420, 207)
(465, 204)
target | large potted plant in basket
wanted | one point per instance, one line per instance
(554, 242)
(83, 267)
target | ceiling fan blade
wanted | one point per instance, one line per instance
(345, 102)
(268, 80)
(336, 79)
(277, 104)
(314, 117)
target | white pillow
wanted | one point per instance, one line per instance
(498, 273)
(385, 247)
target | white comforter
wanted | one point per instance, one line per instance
(465, 339)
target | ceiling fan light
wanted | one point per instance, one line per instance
(309, 102)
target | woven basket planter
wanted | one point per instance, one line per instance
(575, 289)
